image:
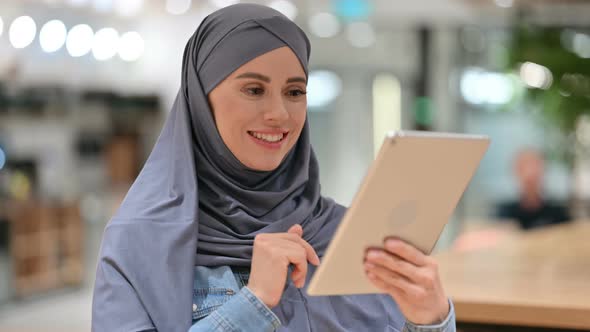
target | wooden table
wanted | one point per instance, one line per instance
(540, 278)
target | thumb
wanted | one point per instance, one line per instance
(296, 229)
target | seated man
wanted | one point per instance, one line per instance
(531, 210)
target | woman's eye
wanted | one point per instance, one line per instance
(296, 92)
(254, 91)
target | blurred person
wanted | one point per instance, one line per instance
(225, 224)
(531, 209)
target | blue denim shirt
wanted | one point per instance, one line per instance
(222, 302)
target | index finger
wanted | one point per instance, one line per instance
(312, 256)
(315, 259)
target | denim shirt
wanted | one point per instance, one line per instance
(222, 302)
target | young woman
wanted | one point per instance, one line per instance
(225, 224)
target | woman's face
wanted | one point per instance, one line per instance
(260, 108)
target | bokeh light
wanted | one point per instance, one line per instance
(360, 34)
(286, 7)
(324, 25)
(536, 76)
(131, 46)
(128, 8)
(2, 158)
(79, 40)
(52, 36)
(22, 32)
(178, 7)
(106, 44)
(322, 88)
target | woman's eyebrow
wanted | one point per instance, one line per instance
(256, 76)
(297, 79)
(267, 79)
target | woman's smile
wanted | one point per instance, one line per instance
(269, 139)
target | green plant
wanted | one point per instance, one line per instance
(567, 98)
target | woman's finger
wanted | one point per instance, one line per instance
(384, 286)
(296, 229)
(405, 251)
(295, 255)
(298, 258)
(312, 256)
(394, 263)
(393, 279)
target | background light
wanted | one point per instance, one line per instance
(177, 7)
(286, 7)
(387, 108)
(504, 3)
(223, 3)
(106, 44)
(2, 158)
(322, 88)
(582, 131)
(536, 76)
(581, 45)
(131, 46)
(1, 26)
(482, 87)
(576, 42)
(52, 36)
(352, 10)
(79, 40)
(22, 32)
(360, 34)
(128, 8)
(78, 3)
(103, 6)
(324, 25)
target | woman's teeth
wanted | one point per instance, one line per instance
(267, 137)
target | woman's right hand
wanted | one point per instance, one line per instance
(271, 257)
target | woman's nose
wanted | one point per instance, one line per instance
(276, 110)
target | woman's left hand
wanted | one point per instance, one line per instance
(411, 278)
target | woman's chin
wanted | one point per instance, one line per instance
(264, 166)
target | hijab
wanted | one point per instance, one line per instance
(194, 202)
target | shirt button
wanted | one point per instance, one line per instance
(194, 307)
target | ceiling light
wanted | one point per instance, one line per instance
(22, 32)
(106, 44)
(131, 46)
(53, 36)
(79, 40)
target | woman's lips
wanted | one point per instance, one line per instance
(265, 139)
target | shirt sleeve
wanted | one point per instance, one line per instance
(244, 312)
(448, 325)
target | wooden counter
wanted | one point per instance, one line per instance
(539, 278)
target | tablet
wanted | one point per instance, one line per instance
(409, 192)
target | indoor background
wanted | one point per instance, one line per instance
(86, 84)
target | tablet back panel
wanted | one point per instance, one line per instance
(410, 192)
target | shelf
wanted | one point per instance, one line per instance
(46, 246)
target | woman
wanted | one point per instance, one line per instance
(229, 200)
